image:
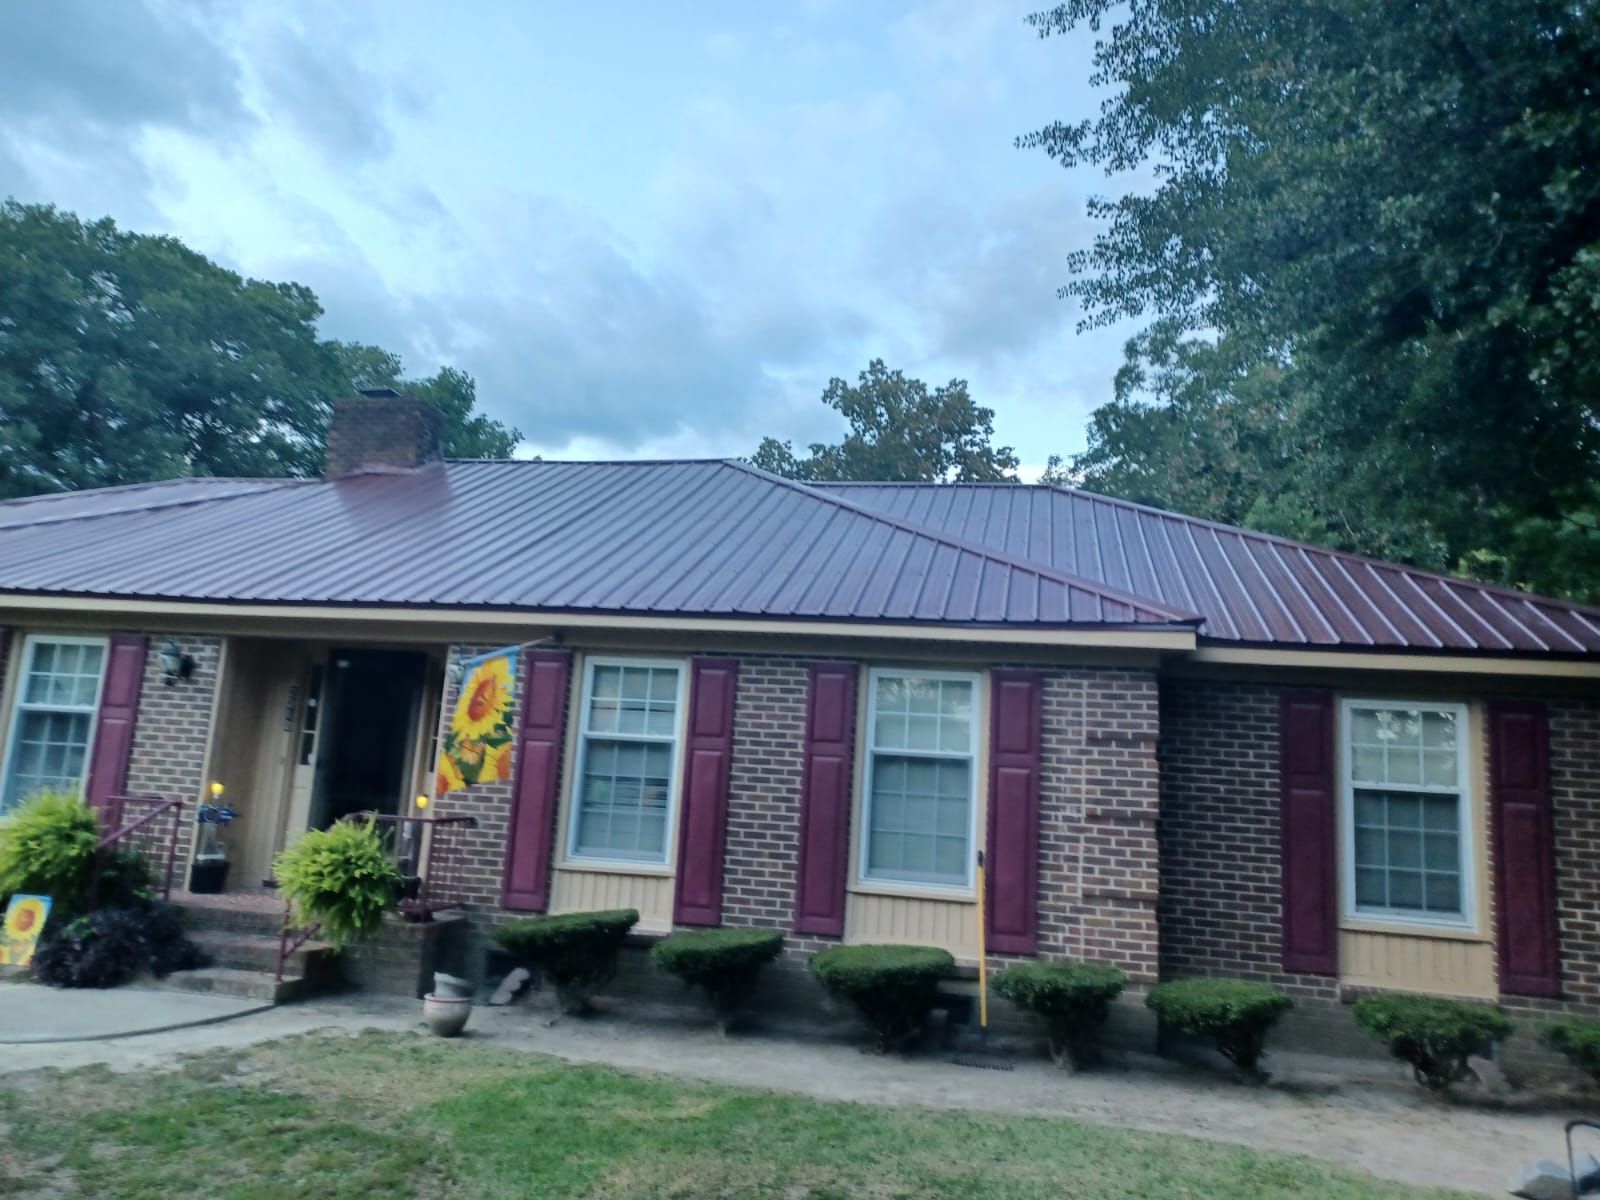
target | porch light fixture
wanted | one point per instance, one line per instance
(175, 664)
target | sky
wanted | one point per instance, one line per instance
(646, 229)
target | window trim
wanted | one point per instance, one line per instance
(864, 878)
(1466, 833)
(667, 864)
(18, 683)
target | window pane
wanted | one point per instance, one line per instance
(1439, 768)
(1439, 730)
(48, 754)
(913, 713)
(919, 814)
(1404, 766)
(1367, 763)
(622, 800)
(1364, 726)
(922, 732)
(922, 695)
(1408, 853)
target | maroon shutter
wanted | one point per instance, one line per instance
(825, 784)
(1309, 830)
(546, 675)
(1013, 858)
(703, 815)
(1524, 849)
(113, 731)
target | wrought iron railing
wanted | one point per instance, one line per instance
(154, 834)
(430, 856)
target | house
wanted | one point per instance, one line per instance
(1186, 748)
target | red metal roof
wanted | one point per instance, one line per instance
(714, 538)
(1251, 587)
(705, 538)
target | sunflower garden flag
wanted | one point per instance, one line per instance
(25, 917)
(477, 748)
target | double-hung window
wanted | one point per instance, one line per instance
(627, 768)
(47, 747)
(1408, 825)
(921, 778)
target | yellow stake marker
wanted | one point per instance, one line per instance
(216, 790)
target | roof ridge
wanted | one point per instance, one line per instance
(271, 485)
(1255, 535)
(1065, 578)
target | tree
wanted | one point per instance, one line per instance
(126, 358)
(899, 432)
(1384, 217)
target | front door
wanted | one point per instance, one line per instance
(367, 732)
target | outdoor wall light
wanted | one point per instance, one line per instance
(175, 664)
(455, 671)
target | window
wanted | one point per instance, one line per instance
(57, 696)
(921, 773)
(1408, 833)
(627, 766)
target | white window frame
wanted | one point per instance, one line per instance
(30, 645)
(580, 760)
(1466, 833)
(869, 755)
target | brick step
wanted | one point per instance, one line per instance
(231, 981)
(256, 951)
(265, 920)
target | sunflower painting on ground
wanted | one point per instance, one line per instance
(25, 918)
(477, 747)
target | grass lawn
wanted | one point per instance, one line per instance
(334, 1117)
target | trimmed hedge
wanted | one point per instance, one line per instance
(892, 987)
(1435, 1036)
(1073, 998)
(725, 962)
(1578, 1038)
(1235, 1013)
(576, 952)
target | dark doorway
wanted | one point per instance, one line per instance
(365, 750)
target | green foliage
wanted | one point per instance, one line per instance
(725, 962)
(1072, 997)
(899, 431)
(577, 952)
(1579, 1039)
(341, 878)
(1435, 1036)
(1235, 1013)
(126, 358)
(47, 848)
(1368, 263)
(892, 987)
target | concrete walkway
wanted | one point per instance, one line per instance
(32, 1014)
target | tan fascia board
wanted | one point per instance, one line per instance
(1384, 660)
(445, 621)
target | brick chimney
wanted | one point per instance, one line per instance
(381, 430)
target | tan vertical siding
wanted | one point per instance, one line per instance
(590, 891)
(913, 920)
(1410, 963)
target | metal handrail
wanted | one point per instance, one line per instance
(117, 805)
(437, 865)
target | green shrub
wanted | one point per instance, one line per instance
(1073, 998)
(725, 962)
(1435, 1036)
(1235, 1013)
(892, 987)
(1579, 1039)
(47, 848)
(576, 952)
(341, 878)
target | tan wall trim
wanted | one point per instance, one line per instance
(1460, 664)
(122, 611)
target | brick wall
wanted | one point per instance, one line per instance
(171, 731)
(395, 432)
(1220, 874)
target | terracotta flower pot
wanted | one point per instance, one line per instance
(446, 1015)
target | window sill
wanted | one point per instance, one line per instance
(605, 867)
(911, 891)
(1445, 933)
